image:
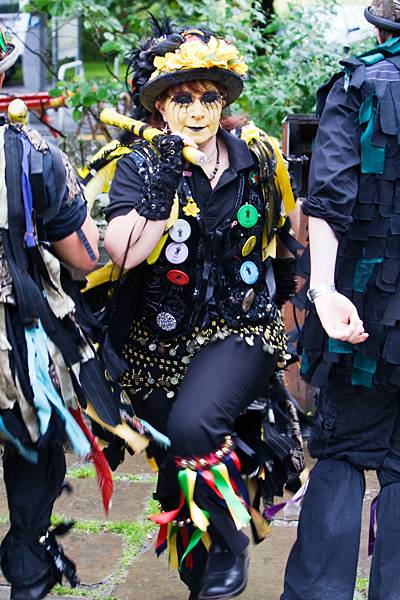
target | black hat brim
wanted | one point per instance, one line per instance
(380, 22)
(229, 80)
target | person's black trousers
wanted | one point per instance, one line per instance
(31, 492)
(221, 381)
(355, 429)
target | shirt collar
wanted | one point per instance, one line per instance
(240, 156)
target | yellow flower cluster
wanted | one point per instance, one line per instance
(195, 54)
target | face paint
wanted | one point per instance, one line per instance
(195, 114)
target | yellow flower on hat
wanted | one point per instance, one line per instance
(196, 54)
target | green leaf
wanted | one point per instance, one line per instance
(110, 46)
(77, 114)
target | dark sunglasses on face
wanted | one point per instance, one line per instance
(187, 98)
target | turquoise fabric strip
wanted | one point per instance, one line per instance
(339, 347)
(364, 363)
(363, 273)
(391, 47)
(29, 455)
(45, 394)
(362, 378)
(372, 156)
(305, 364)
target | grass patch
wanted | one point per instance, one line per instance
(362, 585)
(84, 472)
(133, 534)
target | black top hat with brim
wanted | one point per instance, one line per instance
(229, 80)
(381, 22)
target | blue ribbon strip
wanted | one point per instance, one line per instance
(45, 396)
(27, 192)
(29, 455)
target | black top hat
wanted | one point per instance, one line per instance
(382, 22)
(177, 55)
(229, 80)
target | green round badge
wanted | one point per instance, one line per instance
(247, 215)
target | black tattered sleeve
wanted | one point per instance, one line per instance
(335, 165)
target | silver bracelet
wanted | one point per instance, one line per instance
(320, 290)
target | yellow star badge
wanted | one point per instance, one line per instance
(191, 209)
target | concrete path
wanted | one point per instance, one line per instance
(115, 556)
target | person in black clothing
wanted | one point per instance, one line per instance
(48, 367)
(207, 334)
(351, 337)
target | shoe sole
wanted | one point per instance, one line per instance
(234, 594)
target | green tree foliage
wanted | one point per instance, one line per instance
(288, 56)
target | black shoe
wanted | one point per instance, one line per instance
(225, 575)
(35, 591)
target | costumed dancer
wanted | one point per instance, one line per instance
(197, 311)
(351, 336)
(49, 368)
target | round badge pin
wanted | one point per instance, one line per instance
(176, 253)
(247, 215)
(249, 272)
(180, 231)
(178, 277)
(166, 321)
(248, 300)
(249, 245)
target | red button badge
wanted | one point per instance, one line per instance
(178, 277)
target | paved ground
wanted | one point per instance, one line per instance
(115, 556)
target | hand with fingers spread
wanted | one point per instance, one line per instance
(340, 319)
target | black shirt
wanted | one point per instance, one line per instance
(216, 205)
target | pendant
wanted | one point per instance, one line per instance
(191, 209)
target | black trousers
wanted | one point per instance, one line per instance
(31, 492)
(221, 381)
(355, 429)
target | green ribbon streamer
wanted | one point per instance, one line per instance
(3, 46)
(230, 497)
(183, 482)
(372, 156)
(194, 540)
(339, 347)
(364, 269)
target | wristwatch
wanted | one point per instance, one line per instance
(320, 290)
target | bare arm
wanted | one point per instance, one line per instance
(72, 251)
(338, 315)
(131, 238)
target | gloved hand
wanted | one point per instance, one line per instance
(160, 191)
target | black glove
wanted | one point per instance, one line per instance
(161, 188)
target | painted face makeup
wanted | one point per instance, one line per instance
(195, 114)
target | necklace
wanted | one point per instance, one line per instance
(212, 158)
(215, 171)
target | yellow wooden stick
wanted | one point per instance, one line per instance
(140, 129)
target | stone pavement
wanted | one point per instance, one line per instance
(115, 555)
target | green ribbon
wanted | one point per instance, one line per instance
(372, 156)
(232, 501)
(3, 46)
(194, 540)
(183, 482)
(364, 269)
